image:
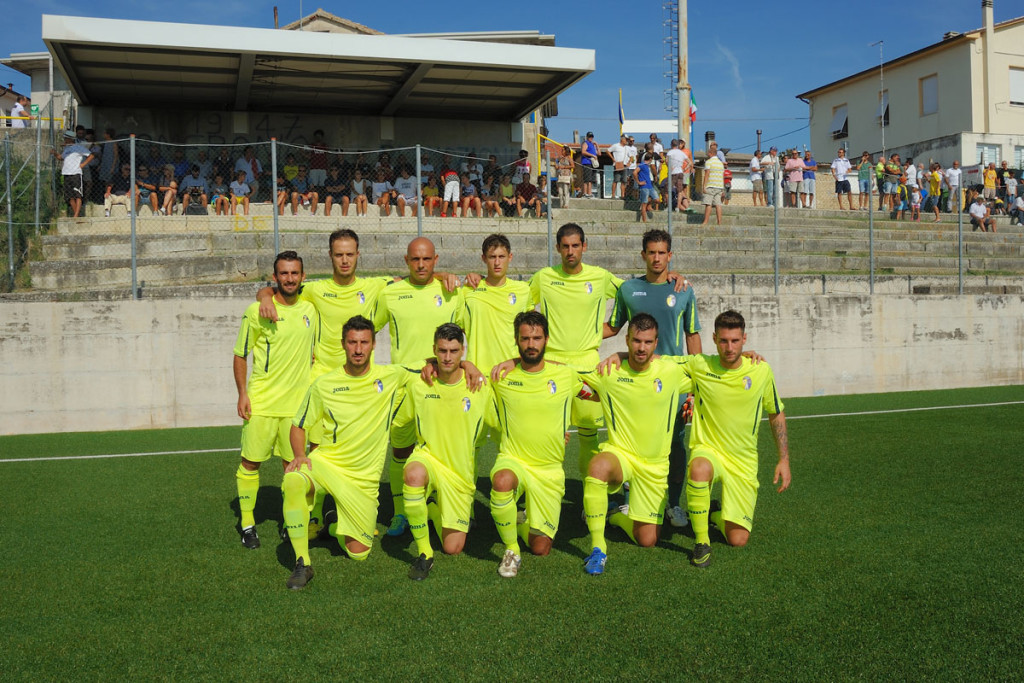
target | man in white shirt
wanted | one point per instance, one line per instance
(911, 174)
(631, 160)
(769, 167)
(75, 157)
(954, 174)
(757, 179)
(405, 185)
(656, 145)
(1017, 211)
(980, 217)
(676, 159)
(19, 110)
(618, 153)
(840, 167)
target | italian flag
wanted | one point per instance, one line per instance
(693, 108)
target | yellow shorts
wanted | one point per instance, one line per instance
(237, 199)
(544, 488)
(355, 499)
(454, 496)
(263, 437)
(739, 493)
(403, 432)
(587, 414)
(648, 484)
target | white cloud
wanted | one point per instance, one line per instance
(734, 64)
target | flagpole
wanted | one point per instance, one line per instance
(620, 112)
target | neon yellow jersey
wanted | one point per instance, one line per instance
(355, 413)
(488, 316)
(533, 412)
(413, 313)
(727, 407)
(336, 304)
(449, 418)
(282, 353)
(640, 407)
(575, 308)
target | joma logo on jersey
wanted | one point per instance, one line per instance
(711, 374)
(639, 293)
(402, 297)
(747, 383)
(432, 396)
(380, 385)
(514, 383)
(624, 380)
(337, 389)
(329, 295)
(557, 283)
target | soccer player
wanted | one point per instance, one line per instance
(730, 394)
(413, 308)
(640, 400)
(449, 418)
(678, 335)
(282, 352)
(354, 405)
(533, 403)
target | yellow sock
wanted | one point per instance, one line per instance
(623, 522)
(588, 449)
(716, 519)
(415, 499)
(317, 512)
(248, 482)
(396, 483)
(698, 500)
(524, 532)
(503, 510)
(434, 512)
(296, 513)
(595, 506)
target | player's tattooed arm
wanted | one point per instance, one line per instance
(782, 473)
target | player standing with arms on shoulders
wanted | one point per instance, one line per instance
(282, 353)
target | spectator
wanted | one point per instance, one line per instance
(118, 191)
(193, 189)
(284, 192)
(618, 155)
(240, 192)
(564, 165)
(75, 157)
(491, 168)
(219, 195)
(756, 179)
(934, 179)
(588, 162)
(318, 161)
(335, 191)
(145, 189)
(168, 189)
(473, 168)
(954, 176)
(883, 196)
(911, 172)
(181, 165)
(90, 174)
(110, 158)
(383, 192)
(361, 188)
(507, 196)
(19, 112)
(431, 197)
(808, 181)
(714, 183)
(1001, 180)
(980, 215)
(384, 164)
(864, 173)
(841, 167)
(915, 203)
(893, 172)
(253, 172)
(406, 191)
(902, 199)
(205, 166)
(645, 185)
(990, 178)
(522, 168)
(1017, 210)
(526, 196)
(290, 168)
(726, 181)
(223, 166)
(794, 176)
(543, 194)
(632, 155)
(489, 196)
(426, 168)
(770, 169)
(303, 191)
(470, 199)
(1010, 184)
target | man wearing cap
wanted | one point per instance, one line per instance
(794, 176)
(756, 179)
(714, 183)
(75, 157)
(588, 160)
(840, 167)
(980, 216)
(677, 161)
(618, 154)
(631, 162)
(769, 168)
(807, 183)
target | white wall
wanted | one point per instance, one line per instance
(167, 363)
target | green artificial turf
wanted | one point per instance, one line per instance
(893, 556)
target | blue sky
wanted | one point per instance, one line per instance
(747, 63)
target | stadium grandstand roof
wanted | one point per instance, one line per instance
(124, 63)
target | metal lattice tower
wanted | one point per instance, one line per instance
(671, 56)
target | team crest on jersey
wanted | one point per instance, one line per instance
(512, 299)
(466, 405)
(305, 318)
(657, 385)
(671, 300)
(438, 300)
(747, 383)
(552, 387)
(380, 385)
(589, 287)
(362, 298)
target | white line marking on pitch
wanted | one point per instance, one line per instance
(788, 417)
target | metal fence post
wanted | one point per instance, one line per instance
(551, 200)
(668, 193)
(871, 238)
(959, 244)
(39, 144)
(10, 207)
(132, 210)
(776, 244)
(273, 195)
(419, 194)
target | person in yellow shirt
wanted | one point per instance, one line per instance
(989, 179)
(282, 352)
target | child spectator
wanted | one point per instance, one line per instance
(470, 200)
(489, 197)
(219, 195)
(507, 194)
(450, 180)
(642, 176)
(240, 192)
(360, 191)
(383, 192)
(915, 203)
(334, 189)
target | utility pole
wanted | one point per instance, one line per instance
(683, 81)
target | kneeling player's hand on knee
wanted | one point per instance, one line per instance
(296, 464)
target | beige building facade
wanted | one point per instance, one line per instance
(959, 99)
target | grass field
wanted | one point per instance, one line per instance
(895, 555)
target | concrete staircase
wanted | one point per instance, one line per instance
(94, 253)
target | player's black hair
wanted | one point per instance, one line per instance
(730, 320)
(288, 256)
(657, 235)
(449, 332)
(356, 323)
(570, 229)
(532, 319)
(641, 322)
(342, 234)
(495, 240)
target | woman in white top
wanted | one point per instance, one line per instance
(383, 192)
(360, 186)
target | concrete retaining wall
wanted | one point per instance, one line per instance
(167, 363)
